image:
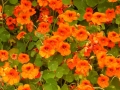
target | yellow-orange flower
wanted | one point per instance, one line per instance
(11, 76)
(29, 71)
(98, 18)
(46, 51)
(24, 87)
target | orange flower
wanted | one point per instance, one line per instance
(64, 49)
(11, 76)
(23, 58)
(42, 3)
(103, 81)
(52, 42)
(85, 85)
(103, 41)
(101, 56)
(110, 14)
(55, 4)
(113, 36)
(110, 71)
(117, 71)
(17, 10)
(46, 51)
(81, 35)
(3, 55)
(117, 11)
(20, 35)
(31, 11)
(112, 0)
(29, 26)
(43, 27)
(29, 71)
(10, 21)
(110, 61)
(24, 87)
(82, 67)
(25, 5)
(88, 16)
(0, 8)
(23, 18)
(98, 18)
(64, 31)
(70, 63)
(70, 15)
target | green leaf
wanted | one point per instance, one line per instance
(31, 45)
(114, 51)
(58, 57)
(1, 46)
(93, 75)
(48, 74)
(4, 36)
(59, 72)
(38, 62)
(2, 29)
(1, 63)
(82, 12)
(69, 77)
(66, 69)
(66, 2)
(102, 7)
(8, 9)
(50, 84)
(92, 3)
(10, 88)
(21, 46)
(13, 1)
(52, 65)
(34, 3)
(38, 44)
(80, 4)
(65, 87)
(117, 21)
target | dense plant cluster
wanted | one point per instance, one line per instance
(59, 44)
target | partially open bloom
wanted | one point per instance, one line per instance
(20, 35)
(24, 87)
(112, 0)
(29, 71)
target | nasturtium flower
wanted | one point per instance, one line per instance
(103, 81)
(24, 87)
(11, 76)
(21, 35)
(23, 58)
(42, 3)
(29, 71)
(4, 55)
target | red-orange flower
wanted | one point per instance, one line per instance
(112, 0)
(46, 51)
(64, 49)
(3, 55)
(117, 11)
(111, 71)
(24, 87)
(110, 14)
(23, 58)
(103, 81)
(88, 16)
